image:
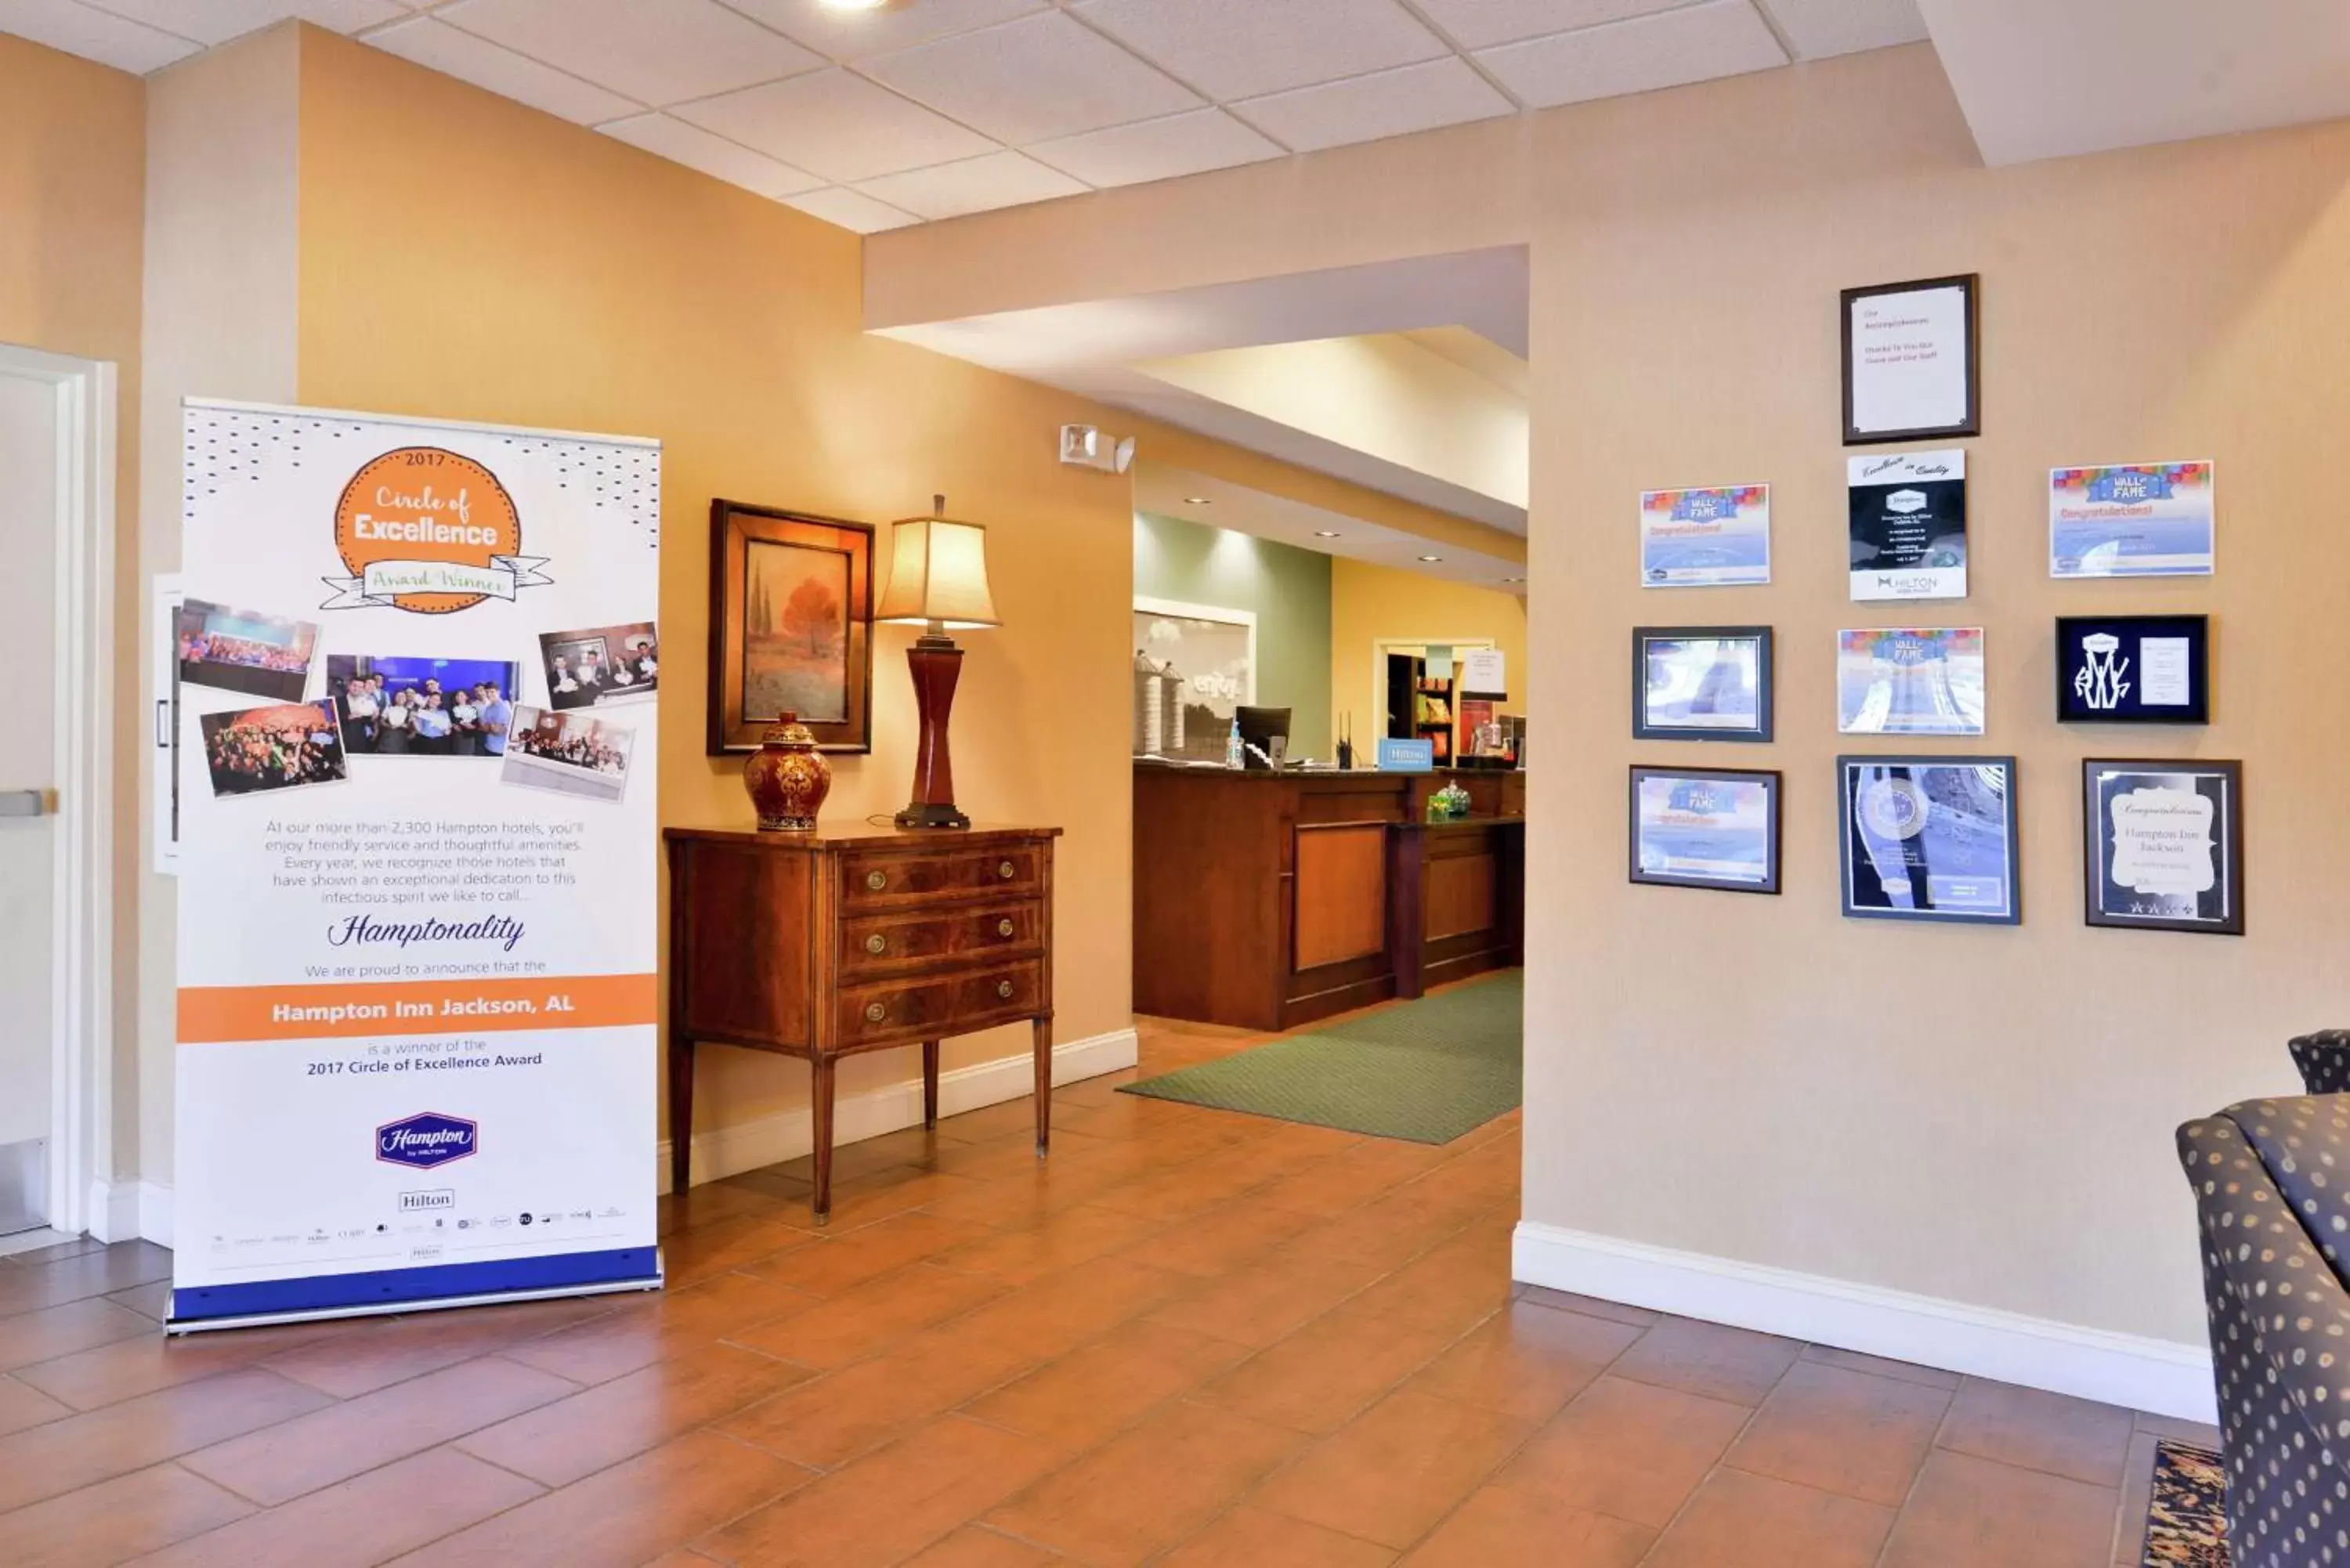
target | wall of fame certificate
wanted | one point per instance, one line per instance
(1930, 838)
(2165, 845)
(1908, 524)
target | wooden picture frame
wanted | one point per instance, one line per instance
(775, 578)
(2219, 909)
(1653, 859)
(1648, 645)
(1971, 423)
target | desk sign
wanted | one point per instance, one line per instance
(1908, 525)
(2166, 845)
(1407, 757)
(1910, 353)
(2134, 670)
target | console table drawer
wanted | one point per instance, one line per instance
(887, 881)
(950, 1004)
(872, 944)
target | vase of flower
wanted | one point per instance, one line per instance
(788, 778)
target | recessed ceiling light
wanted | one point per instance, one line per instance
(1514, 579)
(1197, 500)
(1431, 558)
(854, 4)
(1325, 533)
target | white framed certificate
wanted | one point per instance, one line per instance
(1910, 353)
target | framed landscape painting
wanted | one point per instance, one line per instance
(791, 627)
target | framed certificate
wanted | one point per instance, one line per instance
(1702, 683)
(2165, 845)
(2131, 520)
(1907, 525)
(1911, 680)
(1705, 538)
(2133, 669)
(1706, 828)
(1910, 352)
(1929, 838)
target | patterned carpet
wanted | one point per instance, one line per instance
(1427, 1071)
(2186, 1526)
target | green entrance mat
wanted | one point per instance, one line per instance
(1427, 1071)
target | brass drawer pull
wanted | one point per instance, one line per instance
(1003, 928)
(875, 1011)
(877, 880)
(1004, 989)
(877, 943)
(1004, 870)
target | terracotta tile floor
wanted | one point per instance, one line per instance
(1191, 1339)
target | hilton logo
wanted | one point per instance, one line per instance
(426, 1140)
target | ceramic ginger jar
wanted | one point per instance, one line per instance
(788, 778)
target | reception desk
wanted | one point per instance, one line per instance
(1267, 901)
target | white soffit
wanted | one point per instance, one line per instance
(2049, 78)
(1167, 491)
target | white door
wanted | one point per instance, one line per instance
(29, 432)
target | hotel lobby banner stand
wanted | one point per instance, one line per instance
(416, 1056)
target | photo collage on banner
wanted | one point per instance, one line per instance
(416, 943)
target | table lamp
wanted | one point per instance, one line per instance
(938, 580)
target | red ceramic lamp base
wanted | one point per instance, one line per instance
(936, 663)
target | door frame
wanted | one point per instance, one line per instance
(1383, 646)
(81, 992)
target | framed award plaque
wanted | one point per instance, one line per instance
(2165, 845)
(1929, 838)
(1706, 828)
(2133, 669)
(1702, 683)
(1911, 361)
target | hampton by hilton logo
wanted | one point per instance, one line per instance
(425, 1140)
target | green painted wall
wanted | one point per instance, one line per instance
(1287, 588)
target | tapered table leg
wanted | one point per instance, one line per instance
(680, 1111)
(1044, 1085)
(930, 1083)
(820, 1112)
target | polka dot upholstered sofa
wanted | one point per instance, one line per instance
(2272, 1182)
(2324, 1059)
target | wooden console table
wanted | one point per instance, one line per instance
(821, 945)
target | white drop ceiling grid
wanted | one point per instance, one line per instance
(934, 108)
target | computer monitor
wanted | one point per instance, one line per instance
(1259, 728)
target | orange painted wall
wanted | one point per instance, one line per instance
(72, 190)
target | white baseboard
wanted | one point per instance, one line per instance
(2155, 1374)
(130, 1210)
(747, 1146)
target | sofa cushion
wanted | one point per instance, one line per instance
(2324, 1059)
(2304, 1143)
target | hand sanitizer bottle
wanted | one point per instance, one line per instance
(1233, 757)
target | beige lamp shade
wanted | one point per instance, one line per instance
(938, 572)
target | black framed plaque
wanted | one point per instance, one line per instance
(2134, 670)
(1700, 682)
(1706, 828)
(2164, 845)
(1929, 838)
(1911, 354)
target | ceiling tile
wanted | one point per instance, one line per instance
(1365, 108)
(837, 125)
(853, 35)
(92, 35)
(713, 155)
(1029, 80)
(973, 185)
(1156, 149)
(1819, 28)
(1480, 24)
(218, 21)
(442, 47)
(1722, 39)
(1240, 48)
(847, 208)
(656, 51)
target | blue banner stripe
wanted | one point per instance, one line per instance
(325, 1293)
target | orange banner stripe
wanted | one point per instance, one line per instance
(223, 1012)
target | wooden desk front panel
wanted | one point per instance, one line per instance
(1342, 894)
